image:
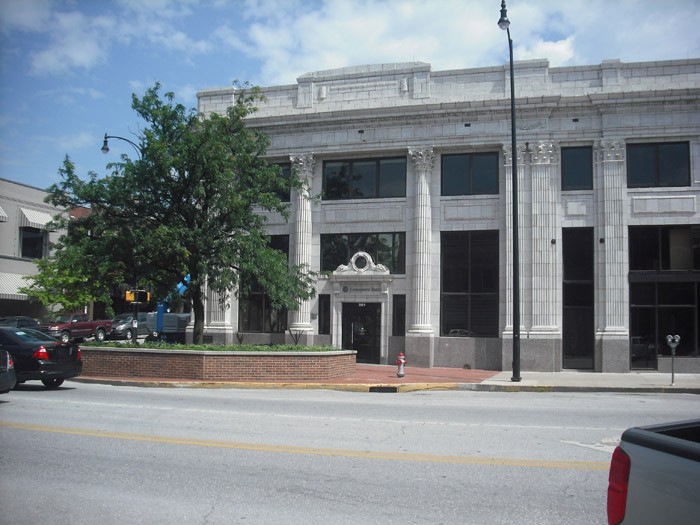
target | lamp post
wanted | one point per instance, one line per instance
(105, 144)
(135, 321)
(504, 23)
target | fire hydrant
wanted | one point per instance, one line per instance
(401, 363)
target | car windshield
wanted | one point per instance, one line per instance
(122, 318)
(29, 336)
(38, 334)
(59, 319)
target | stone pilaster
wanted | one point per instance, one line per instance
(304, 167)
(508, 165)
(612, 285)
(546, 238)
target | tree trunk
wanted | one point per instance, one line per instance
(198, 309)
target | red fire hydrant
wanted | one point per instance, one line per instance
(401, 363)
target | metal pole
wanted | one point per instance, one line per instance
(516, 248)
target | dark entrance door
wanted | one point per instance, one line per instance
(578, 313)
(361, 330)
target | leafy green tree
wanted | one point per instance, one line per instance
(190, 205)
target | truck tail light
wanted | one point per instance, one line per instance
(618, 481)
(10, 361)
(79, 357)
(41, 354)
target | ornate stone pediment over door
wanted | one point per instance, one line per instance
(361, 283)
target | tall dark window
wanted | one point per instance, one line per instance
(286, 175)
(399, 315)
(578, 298)
(658, 165)
(364, 179)
(577, 168)
(255, 312)
(388, 249)
(469, 298)
(470, 174)
(32, 242)
(324, 313)
(664, 291)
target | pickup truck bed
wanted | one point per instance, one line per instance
(655, 475)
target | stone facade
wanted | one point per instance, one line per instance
(407, 110)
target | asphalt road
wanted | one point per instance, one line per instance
(90, 453)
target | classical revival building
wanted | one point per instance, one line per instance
(408, 213)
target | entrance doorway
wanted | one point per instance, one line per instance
(578, 298)
(361, 330)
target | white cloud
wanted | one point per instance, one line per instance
(76, 42)
(24, 15)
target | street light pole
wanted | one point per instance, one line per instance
(135, 320)
(504, 23)
(105, 144)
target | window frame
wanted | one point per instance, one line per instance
(257, 297)
(567, 185)
(352, 244)
(468, 176)
(347, 186)
(476, 298)
(655, 149)
(32, 241)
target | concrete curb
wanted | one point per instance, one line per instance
(578, 388)
(383, 387)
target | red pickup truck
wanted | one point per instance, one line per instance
(77, 326)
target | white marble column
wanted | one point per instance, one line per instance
(546, 238)
(423, 165)
(303, 165)
(612, 277)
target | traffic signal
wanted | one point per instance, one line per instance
(143, 296)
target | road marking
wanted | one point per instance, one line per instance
(313, 451)
(242, 413)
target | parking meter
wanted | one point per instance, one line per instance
(672, 341)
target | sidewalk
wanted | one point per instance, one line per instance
(382, 378)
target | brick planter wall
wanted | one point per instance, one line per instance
(216, 366)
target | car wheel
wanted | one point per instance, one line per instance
(100, 335)
(52, 383)
(65, 337)
(129, 336)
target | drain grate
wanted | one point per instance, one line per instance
(390, 389)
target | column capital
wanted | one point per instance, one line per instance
(544, 152)
(508, 153)
(609, 150)
(303, 163)
(422, 158)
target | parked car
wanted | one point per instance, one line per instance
(122, 329)
(19, 321)
(41, 358)
(7, 372)
(76, 326)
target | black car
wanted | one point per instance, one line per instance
(19, 321)
(7, 372)
(41, 358)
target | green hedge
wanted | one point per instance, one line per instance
(216, 348)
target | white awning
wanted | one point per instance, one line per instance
(10, 283)
(34, 218)
(3, 215)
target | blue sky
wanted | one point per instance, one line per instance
(68, 67)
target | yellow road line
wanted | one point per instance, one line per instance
(313, 451)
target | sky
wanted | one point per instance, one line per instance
(68, 68)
